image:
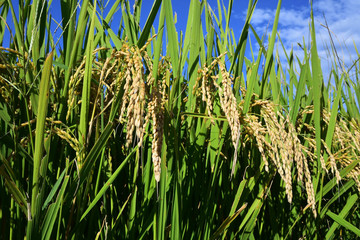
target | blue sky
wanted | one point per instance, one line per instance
(341, 15)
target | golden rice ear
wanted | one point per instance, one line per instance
(283, 149)
(135, 109)
(206, 91)
(74, 87)
(281, 145)
(347, 143)
(157, 115)
(72, 141)
(228, 103)
(127, 86)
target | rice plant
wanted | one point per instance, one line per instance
(151, 133)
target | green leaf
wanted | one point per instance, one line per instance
(53, 190)
(108, 183)
(344, 223)
(344, 212)
(40, 130)
(149, 23)
(85, 98)
(53, 211)
(227, 222)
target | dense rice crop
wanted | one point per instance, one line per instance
(150, 133)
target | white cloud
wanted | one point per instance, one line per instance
(261, 16)
(342, 18)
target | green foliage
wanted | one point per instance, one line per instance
(153, 133)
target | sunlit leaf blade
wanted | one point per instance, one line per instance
(40, 130)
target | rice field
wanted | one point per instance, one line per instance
(153, 133)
